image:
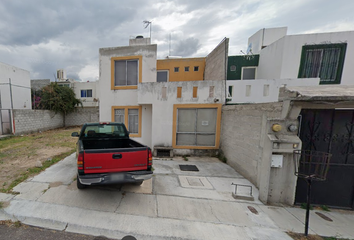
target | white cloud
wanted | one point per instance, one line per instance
(67, 34)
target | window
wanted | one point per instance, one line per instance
(130, 116)
(162, 76)
(211, 91)
(176, 69)
(179, 92)
(323, 61)
(86, 93)
(197, 126)
(248, 73)
(196, 69)
(125, 72)
(195, 92)
(186, 69)
(229, 93)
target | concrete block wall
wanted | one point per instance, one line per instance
(81, 116)
(28, 121)
(216, 62)
(242, 131)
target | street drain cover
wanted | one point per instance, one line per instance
(252, 209)
(324, 217)
(189, 168)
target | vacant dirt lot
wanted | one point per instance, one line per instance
(23, 156)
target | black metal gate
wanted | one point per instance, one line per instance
(330, 131)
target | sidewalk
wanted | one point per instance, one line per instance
(175, 204)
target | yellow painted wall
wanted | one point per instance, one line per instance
(170, 64)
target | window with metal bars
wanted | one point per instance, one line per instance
(196, 126)
(323, 61)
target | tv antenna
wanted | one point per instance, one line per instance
(148, 23)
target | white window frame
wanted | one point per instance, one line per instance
(86, 93)
(255, 74)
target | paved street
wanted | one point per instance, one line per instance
(175, 204)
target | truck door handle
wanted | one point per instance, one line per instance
(117, 156)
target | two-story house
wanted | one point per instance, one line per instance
(171, 104)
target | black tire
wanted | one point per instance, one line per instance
(79, 185)
(138, 183)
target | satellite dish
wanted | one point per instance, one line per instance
(249, 49)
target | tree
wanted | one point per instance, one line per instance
(59, 99)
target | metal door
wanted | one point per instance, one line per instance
(330, 131)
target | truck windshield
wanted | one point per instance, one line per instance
(104, 131)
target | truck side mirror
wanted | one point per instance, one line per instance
(75, 134)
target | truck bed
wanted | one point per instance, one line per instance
(110, 144)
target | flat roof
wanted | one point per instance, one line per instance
(318, 93)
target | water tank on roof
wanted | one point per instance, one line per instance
(139, 36)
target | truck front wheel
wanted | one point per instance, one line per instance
(79, 185)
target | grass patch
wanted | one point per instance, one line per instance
(325, 208)
(35, 170)
(304, 206)
(1, 205)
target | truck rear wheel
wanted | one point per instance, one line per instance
(79, 185)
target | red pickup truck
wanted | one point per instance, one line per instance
(106, 155)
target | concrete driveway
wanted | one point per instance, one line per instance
(175, 204)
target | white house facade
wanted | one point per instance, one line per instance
(176, 111)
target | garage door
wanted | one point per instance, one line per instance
(330, 131)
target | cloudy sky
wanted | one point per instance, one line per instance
(42, 36)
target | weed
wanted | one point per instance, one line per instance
(304, 206)
(1, 205)
(185, 158)
(4, 184)
(17, 224)
(325, 208)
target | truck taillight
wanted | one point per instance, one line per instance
(150, 157)
(80, 161)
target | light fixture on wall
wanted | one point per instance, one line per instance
(276, 127)
(292, 128)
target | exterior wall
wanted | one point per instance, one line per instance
(265, 37)
(21, 87)
(216, 62)
(81, 116)
(37, 84)
(285, 55)
(86, 101)
(191, 75)
(242, 128)
(248, 142)
(162, 107)
(239, 62)
(271, 61)
(262, 91)
(27, 121)
(126, 97)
